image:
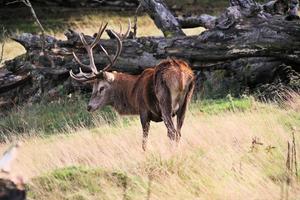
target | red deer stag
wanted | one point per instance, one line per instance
(158, 94)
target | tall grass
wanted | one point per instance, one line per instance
(70, 113)
(216, 158)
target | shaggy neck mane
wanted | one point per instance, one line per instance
(121, 98)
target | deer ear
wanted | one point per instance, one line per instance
(108, 76)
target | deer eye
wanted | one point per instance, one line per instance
(101, 89)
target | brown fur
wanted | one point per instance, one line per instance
(158, 94)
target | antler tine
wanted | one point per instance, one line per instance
(87, 76)
(89, 50)
(120, 37)
(76, 77)
(99, 35)
(119, 49)
(128, 30)
(79, 62)
(85, 44)
(82, 76)
(125, 35)
(121, 28)
(106, 54)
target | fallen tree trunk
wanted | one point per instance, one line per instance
(9, 190)
(245, 48)
(162, 17)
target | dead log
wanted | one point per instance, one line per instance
(9, 190)
(240, 9)
(162, 17)
(206, 21)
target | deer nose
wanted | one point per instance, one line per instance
(89, 108)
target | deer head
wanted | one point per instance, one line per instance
(101, 80)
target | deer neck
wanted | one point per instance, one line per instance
(121, 98)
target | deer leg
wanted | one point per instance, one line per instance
(182, 110)
(165, 104)
(180, 120)
(145, 121)
(167, 118)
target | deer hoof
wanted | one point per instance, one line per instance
(144, 145)
(177, 138)
(172, 136)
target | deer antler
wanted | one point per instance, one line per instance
(83, 77)
(89, 48)
(120, 37)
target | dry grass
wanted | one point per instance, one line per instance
(11, 50)
(214, 160)
(293, 103)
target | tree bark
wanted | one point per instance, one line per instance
(293, 10)
(240, 9)
(162, 17)
(206, 21)
(9, 190)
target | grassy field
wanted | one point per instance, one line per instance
(230, 149)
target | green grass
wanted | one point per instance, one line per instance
(96, 183)
(86, 183)
(61, 116)
(217, 106)
(54, 117)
